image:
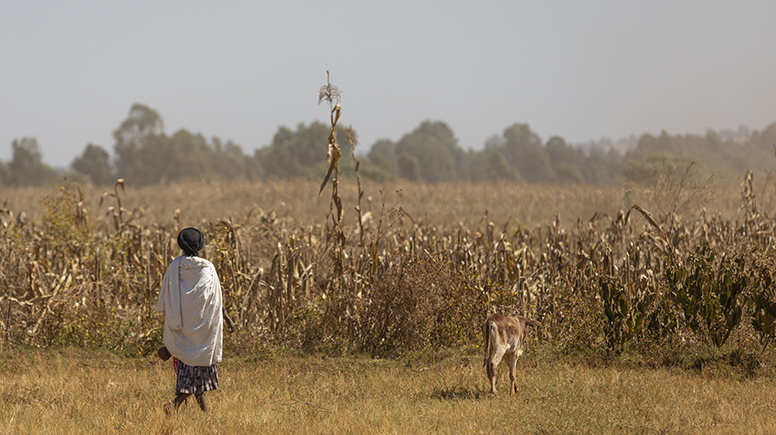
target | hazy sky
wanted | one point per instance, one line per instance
(71, 70)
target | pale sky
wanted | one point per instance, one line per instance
(582, 70)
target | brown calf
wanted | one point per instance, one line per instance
(504, 335)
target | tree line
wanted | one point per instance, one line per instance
(144, 154)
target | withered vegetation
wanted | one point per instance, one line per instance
(398, 275)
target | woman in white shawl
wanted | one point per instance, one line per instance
(192, 303)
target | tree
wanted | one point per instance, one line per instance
(663, 144)
(436, 150)
(436, 162)
(5, 173)
(518, 141)
(476, 163)
(569, 173)
(523, 149)
(409, 167)
(603, 167)
(296, 153)
(141, 146)
(26, 167)
(766, 140)
(145, 155)
(230, 162)
(94, 162)
(499, 168)
(383, 155)
(188, 156)
(535, 167)
(566, 160)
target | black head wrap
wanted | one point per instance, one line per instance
(191, 241)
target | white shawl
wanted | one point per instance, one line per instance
(191, 300)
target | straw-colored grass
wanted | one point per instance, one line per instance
(443, 204)
(90, 390)
(64, 392)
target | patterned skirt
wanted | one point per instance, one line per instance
(195, 380)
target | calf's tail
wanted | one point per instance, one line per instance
(487, 362)
(531, 322)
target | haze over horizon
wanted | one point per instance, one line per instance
(239, 70)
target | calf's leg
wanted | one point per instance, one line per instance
(512, 371)
(495, 360)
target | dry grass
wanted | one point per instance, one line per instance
(444, 204)
(63, 392)
(457, 250)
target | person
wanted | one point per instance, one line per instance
(194, 315)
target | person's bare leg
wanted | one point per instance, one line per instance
(202, 403)
(180, 398)
(172, 406)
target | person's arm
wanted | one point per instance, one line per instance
(228, 319)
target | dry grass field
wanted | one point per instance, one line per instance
(94, 392)
(444, 204)
(653, 323)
